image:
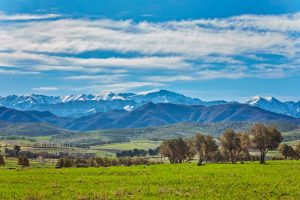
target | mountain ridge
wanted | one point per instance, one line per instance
(85, 104)
(152, 114)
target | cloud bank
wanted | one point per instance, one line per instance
(247, 46)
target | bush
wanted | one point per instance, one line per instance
(64, 162)
(2, 161)
(23, 161)
(81, 163)
(125, 161)
(140, 161)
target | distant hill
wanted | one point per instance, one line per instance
(9, 115)
(148, 115)
(31, 130)
(152, 114)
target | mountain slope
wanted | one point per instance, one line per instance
(152, 114)
(15, 116)
(31, 130)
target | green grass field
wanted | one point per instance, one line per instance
(275, 180)
(138, 144)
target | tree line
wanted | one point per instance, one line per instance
(230, 146)
(101, 162)
(138, 153)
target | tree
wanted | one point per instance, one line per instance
(177, 150)
(245, 144)
(286, 151)
(153, 152)
(297, 151)
(23, 161)
(2, 161)
(265, 139)
(205, 146)
(231, 143)
(17, 149)
(64, 162)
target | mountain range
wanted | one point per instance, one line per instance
(147, 115)
(152, 114)
(86, 104)
(82, 104)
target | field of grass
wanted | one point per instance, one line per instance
(138, 144)
(275, 180)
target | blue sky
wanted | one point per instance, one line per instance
(211, 49)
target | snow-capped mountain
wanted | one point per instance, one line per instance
(274, 105)
(84, 104)
(25, 102)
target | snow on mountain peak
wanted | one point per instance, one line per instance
(256, 99)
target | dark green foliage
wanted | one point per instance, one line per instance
(132, 153)
(153, 152)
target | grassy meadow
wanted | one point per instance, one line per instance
(274, 180)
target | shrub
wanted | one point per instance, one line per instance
(140, 161)
(125, 161)
(79, 162)
(23, 161)
(64, 162)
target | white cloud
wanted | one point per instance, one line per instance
(170, 78)
(193, 50)
(22, 17)
(118, 87)
(229, 36)
(220, 74)
(45, 89)
(41, 62)
(98, 78)
(17, 72)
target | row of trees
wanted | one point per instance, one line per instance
(101, 162)
(232, 146)
(138, 153)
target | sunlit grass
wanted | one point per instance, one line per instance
(275, 180)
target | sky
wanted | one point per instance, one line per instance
(210, 49)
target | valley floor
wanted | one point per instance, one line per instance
(275, 180)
